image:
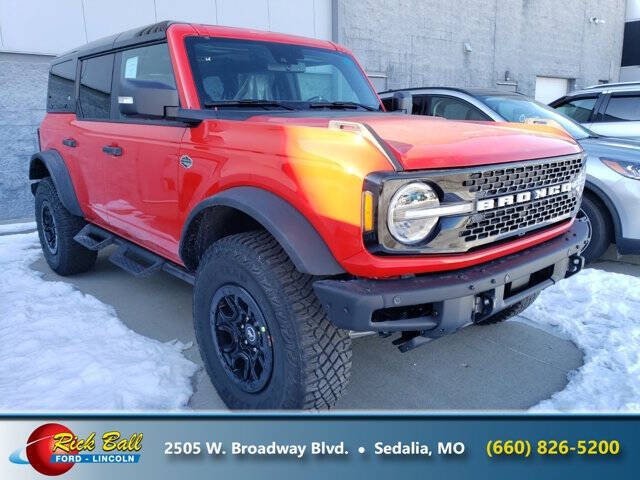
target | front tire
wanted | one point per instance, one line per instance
(264, 337)
(56, 229)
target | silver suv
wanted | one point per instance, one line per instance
(612, 191)
(611, 109)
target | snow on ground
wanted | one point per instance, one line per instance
(600, 312)
(63, 350)
(16, 227)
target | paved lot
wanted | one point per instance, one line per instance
(506, 366)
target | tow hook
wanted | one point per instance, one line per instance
(484, 305)
(576, 262)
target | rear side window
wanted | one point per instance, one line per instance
(578, 109)
(95, 87)
(622, 109)
(62, 77)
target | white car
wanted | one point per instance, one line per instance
(611, 109)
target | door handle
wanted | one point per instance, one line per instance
(115, 151)
(69, 142)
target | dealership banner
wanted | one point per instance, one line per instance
(250, 446)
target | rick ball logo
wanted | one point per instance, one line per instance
(52, 449)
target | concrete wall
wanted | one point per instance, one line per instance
(23, 90)
(422, 42)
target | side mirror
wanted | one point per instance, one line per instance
(147, 99)
(402, 102)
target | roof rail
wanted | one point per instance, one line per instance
(617, 84)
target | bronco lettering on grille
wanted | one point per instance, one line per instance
(522, 197)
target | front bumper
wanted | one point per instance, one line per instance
(438, 304)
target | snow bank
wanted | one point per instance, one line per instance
(63, 350)
(16, 227)
(600, 312)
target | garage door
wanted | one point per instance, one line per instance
(550, 88)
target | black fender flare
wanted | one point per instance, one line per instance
(299, 239)
(59, 173)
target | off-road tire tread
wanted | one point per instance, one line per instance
(72, 258)
(512, 311)
(323, 351)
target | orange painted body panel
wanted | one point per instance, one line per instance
(421, 142)
(146, 197)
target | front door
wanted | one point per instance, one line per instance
(141, 159)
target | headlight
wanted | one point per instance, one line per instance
(404, 218)
(628, 169)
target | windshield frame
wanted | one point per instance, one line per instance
(365, 87)
(553, 114)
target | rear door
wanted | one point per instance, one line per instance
(619, 115)
(88, 130)
(141, 162)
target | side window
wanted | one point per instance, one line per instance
(62, 78)
(622, 109)
(388, 103)
(579, 109)
(420, 105)
(147, 67)
(454, 109)
(95, 87)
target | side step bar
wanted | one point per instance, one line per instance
(135, 260)
(94, 238)
(132, 258)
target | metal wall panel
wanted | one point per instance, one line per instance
(52, 27)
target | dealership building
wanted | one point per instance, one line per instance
(541, 48)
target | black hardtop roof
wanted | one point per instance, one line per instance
(139, 35)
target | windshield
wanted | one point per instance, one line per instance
(231, 73)
(516, 109)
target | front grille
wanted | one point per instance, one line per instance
(497, 183)
(514, 218)
(512, 180)
(524, 177)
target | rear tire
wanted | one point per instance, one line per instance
(512, 311)
(56, 229)
(264, 337)
(599, 228)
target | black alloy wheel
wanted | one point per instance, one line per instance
(242, 339)
(49, 228)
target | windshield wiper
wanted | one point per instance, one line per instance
(353, 105)
(248, 103)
